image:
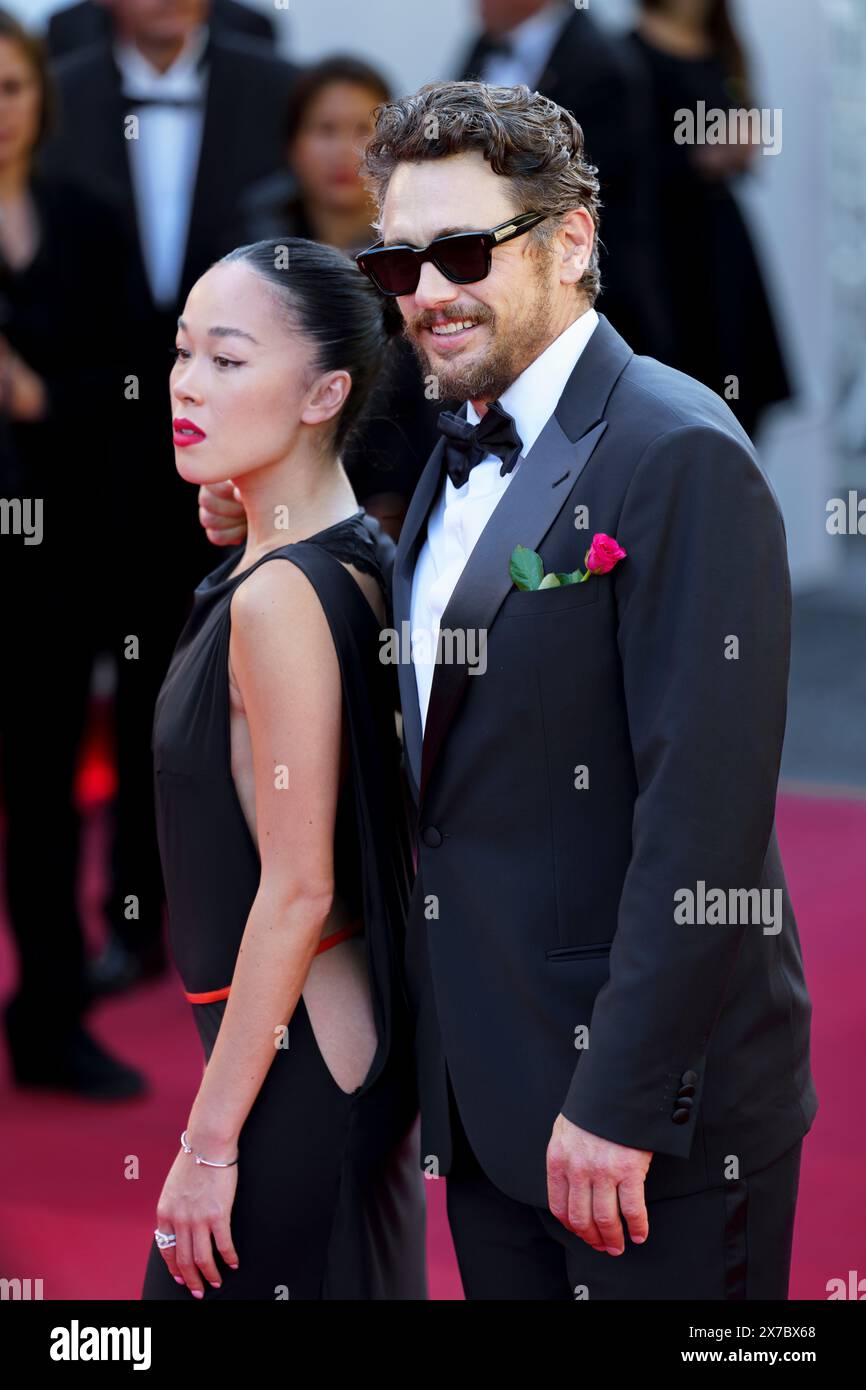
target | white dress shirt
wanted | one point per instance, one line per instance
(459, 515)
(163, 161)
(531, 44)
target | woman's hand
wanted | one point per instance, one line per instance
(195, 1205)
(222, 514)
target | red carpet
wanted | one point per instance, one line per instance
(81, 1180)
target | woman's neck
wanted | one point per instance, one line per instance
(674, 34)
(14, 179)
(292, 500)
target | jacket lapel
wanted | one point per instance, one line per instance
(111, 152)
(220, 114)
(523, 516)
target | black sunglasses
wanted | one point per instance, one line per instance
(463, 257)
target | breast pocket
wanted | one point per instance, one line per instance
(591, 952)
(534, 602)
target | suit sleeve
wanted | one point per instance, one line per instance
(703, 604)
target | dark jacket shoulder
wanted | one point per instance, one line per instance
(660, 401)
(250, 56)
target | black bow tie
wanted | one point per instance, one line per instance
(466, 445)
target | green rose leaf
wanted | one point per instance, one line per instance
(573, 578)
(550, 581)
(525, 567)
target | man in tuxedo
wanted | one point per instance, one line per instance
(562, 52)
(612, 1018)
(88, 21)
(171, 119)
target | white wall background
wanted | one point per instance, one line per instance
(788, 44)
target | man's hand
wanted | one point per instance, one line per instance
(221, 513)
(24, 394)
(585, 1175)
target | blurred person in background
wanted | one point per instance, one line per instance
(88, 22)
(319, 194)
(563, 53)
(171, 119)
(62, 280)
(721, 317)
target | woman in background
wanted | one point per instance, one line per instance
(320, 195)
(62, 291)
(721, 320)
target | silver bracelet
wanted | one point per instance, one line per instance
(198, 1158)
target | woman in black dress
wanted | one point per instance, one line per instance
(280, 813)
(63, 283)
(722, 323)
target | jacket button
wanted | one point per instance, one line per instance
(684, 1102)
(680, 1117)
(686, 1090)
(689, 1078)
(430, 835)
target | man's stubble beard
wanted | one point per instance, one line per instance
(510, 353)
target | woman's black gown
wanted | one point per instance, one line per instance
(63, 314)
(329, 1202)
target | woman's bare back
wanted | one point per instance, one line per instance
(337, 993)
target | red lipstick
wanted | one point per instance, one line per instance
(185, 432)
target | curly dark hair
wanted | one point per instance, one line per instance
(527, 138)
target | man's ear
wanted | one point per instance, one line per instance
(576, 239)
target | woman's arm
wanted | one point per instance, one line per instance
(284, 664)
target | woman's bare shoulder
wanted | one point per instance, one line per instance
(278, 626)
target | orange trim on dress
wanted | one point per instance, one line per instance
(212, 995)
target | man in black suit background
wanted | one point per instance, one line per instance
(563, 53)
(88, 22)
(171, 118)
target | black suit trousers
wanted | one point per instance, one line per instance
(724, 1243)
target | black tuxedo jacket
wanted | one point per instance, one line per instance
(603, 82)
(541, 906)
(84, 23)
(242, 137)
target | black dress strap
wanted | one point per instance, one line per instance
(353, 543)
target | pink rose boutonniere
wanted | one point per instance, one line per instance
(527, 570)
(603, 554)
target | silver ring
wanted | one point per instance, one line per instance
(164, 1240)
